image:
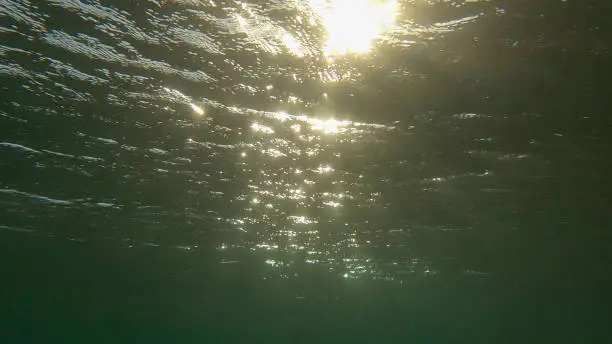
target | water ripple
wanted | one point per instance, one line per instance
(255, 132)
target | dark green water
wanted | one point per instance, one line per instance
(214, 172)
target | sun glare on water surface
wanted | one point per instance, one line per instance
(352, 25)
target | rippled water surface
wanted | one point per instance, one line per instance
(379, 166)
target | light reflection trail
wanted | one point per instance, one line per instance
(296, 195)
(298, 189)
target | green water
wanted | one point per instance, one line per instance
(304, 171)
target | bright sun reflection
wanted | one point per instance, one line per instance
(330, 126)
(352, 25)
(197, 109)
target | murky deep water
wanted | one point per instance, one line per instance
(224, 171)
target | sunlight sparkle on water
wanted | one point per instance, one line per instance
(261, 128)
(324, 169)
(333, 204)
(352, 25)
(282, 116)
(330, 126)
(197, 109)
